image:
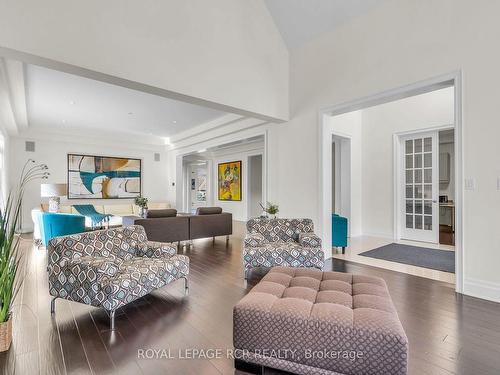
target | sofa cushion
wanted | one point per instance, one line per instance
(94, 267)
(119, 209)
(208, 210)
(140, 276)
(158, 205)
(166, 212)
(275, 230)
(287, 254)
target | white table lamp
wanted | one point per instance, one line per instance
(53, 192)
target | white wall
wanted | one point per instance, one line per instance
(380, 123)
(398, 43)
(54, 154)
(223, 51)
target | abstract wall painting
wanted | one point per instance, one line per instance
(229, 181)
(103, 177)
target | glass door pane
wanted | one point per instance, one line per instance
(419, 186)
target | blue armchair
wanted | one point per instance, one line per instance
(59, 224)
(339, 232)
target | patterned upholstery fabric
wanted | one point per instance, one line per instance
(282, 242)
(110, 268)
(330, 322)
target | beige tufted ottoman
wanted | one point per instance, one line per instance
(306, 321)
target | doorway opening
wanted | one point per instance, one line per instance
(255, 185)
(203, 183)
(404, 167)
(198, 184)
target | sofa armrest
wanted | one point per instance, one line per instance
(254, 240)
(309, 240)
(94, 268)
(154, 249)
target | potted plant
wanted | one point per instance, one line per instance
(11, 259)
(270, 209)
(142, 202)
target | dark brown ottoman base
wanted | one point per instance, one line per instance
(306, 321)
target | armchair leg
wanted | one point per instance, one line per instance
(247, 271)
(53, 305)
(186, 285)
(343, 249)
(112, 320)
(213, 240)
(227, 240)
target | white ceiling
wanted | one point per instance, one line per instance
(58, 100)
(301, 20)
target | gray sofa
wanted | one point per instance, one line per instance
(168, 226)
(111, 268)
(210, 222)
(162, 225)
(281, 242)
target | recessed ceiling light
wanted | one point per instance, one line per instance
(175, 122)
(202, 150)
(63, 121)
(72, 102)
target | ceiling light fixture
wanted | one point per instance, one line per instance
(202, 150)
(72, 102)
(175, 121)
(63, 121)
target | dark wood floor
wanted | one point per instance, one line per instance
(446, 235)
(448, 334)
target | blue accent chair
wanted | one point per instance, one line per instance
(339, 232)
(59, 224)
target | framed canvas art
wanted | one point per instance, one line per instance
(103, 177)
(229, 181)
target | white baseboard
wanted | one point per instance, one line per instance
(388, 236)
(482, 289)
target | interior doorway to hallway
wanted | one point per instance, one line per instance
(341, 176)
(205, 182)
(384, 199)
(255, 185)
(198, 185)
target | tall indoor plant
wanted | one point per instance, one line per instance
(11, 269)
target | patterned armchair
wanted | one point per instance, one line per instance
(110, 268)
(281, 242)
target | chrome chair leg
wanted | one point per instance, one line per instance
(112, 319)
(53, 305)
(186, 285)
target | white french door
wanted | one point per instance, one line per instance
(419, 178)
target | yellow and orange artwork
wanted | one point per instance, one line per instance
(229, 181)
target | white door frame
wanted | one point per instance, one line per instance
(325, 154)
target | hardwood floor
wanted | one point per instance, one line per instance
(448, 334)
